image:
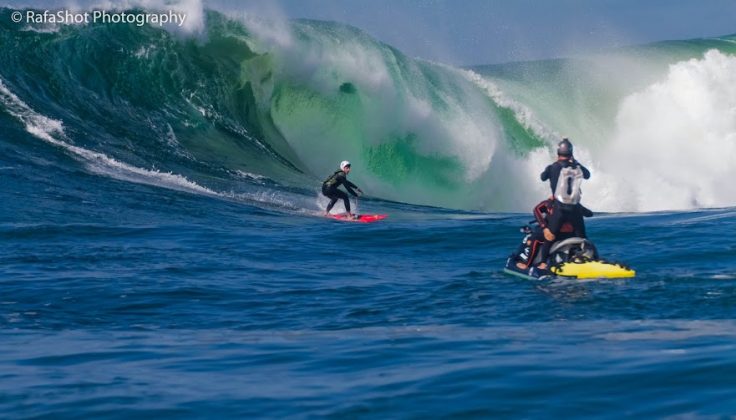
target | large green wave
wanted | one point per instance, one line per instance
(289, 101)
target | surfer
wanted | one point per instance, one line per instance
(329, 188)
(565, 176)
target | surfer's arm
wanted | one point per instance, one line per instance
(349, 186)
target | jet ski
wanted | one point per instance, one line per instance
(572, 258)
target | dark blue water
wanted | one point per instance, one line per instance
(159, 257)
(122, 300)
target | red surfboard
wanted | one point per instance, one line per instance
(363, 218)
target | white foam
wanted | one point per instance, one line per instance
(249, 176)
(325, 57)
(675, 142)
(144, 52)
(46, 29)
(269, 25)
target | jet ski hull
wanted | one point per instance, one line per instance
(593, 270)
(598, 269)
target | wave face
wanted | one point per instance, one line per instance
(243, 101)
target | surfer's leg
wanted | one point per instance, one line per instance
(331, 203)
(345, 199)
(333, 199)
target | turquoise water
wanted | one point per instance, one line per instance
(161, 253)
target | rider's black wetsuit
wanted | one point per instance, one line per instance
(329, 189)
(552, 171)
(559, 213)
(534, 241)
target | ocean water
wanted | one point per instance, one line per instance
(161, 252)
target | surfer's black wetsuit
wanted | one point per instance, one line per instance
(559, 213)
(329, 189)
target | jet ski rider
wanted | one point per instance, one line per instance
(565, 176)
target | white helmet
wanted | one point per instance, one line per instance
(343, 164)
